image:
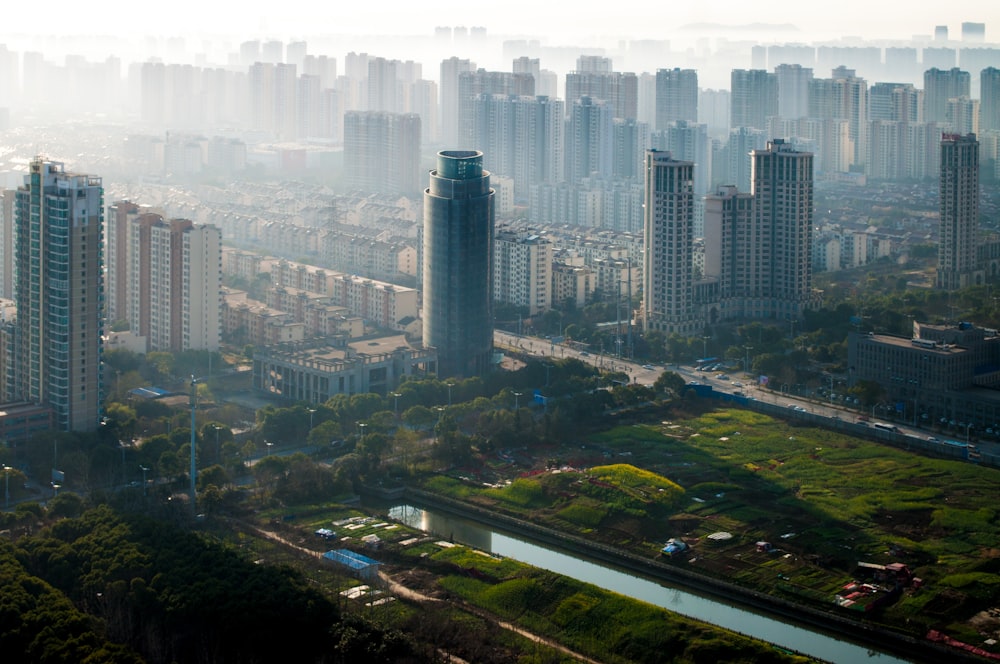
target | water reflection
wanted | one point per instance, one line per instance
(812, 643)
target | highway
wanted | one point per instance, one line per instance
(543, 348)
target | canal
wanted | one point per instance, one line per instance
(816, 644)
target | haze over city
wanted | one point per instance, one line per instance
(677, 286)
(633, 19)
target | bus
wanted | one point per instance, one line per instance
(886, 427)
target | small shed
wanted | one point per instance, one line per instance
(360, 566)
(764, 547)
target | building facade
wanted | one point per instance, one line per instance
(54, 356)
(522, 271)
(776, 267)
(458, 264)
(668, 306)
(382, 151)
(174, 276)
(959, 200)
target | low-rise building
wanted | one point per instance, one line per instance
(314, 371)
(942, 374)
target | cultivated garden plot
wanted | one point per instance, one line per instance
(786, 509)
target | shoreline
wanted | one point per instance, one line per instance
(811, 617)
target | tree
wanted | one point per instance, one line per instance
(669, 383)
(213, 475)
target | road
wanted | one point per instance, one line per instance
(543, 348)
(733, 382)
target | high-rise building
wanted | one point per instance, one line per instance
(458, 264)
(963, 115)
(116, 259)
(844, 96)
(778, 242)
(450, 70)
(688, 141)
(523, 137)
(620, 90)
(589, 140)
(629, 143)
(676, 96)
(174, 275)
(742, 141)
(273, 99)
(55, 350)
(973, 32)
(754, 97)
(989, 99)
(382, 151)
(668, 234)
(522, 271)
(899, 102)
(940, 85)
(727, 219)
(7, 243)
(793, 90)
(473, 84)
(959, 200)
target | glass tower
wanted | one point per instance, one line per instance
(458, 264)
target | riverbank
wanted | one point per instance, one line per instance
(810, 617)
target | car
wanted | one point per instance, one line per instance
(737, 383)
(722, 377)
(584, 353)
(647, 367)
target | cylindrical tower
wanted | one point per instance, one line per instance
(458, 264)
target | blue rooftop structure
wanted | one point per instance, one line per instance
(149, 392)
(363, 566)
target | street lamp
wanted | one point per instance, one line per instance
(121, 446)
(311, 411)
(218, 450)
(362, 425)
(746, 361)
(395, 405)
(268, 446)
(450, 385)
(143, 469)
(516, 395)
(6, 492)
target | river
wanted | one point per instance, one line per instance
(792, 637)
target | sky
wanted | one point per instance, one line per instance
(890, 19)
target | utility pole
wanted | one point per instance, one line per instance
(194, 468)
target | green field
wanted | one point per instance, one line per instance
(823, 500)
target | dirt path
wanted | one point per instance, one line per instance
(418, 597)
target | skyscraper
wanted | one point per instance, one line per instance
(754, 97)
(793, 90)
(55, 353)
(174, 275)
(382, 151)
(989, 99)
(458, 264)
(959, 200)
(588, 140)
(777, 267)
(940, 85)
(676, 96)
(668, 235)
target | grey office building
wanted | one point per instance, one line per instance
(458, 264)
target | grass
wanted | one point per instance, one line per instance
(596, 622)
(843, 499)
